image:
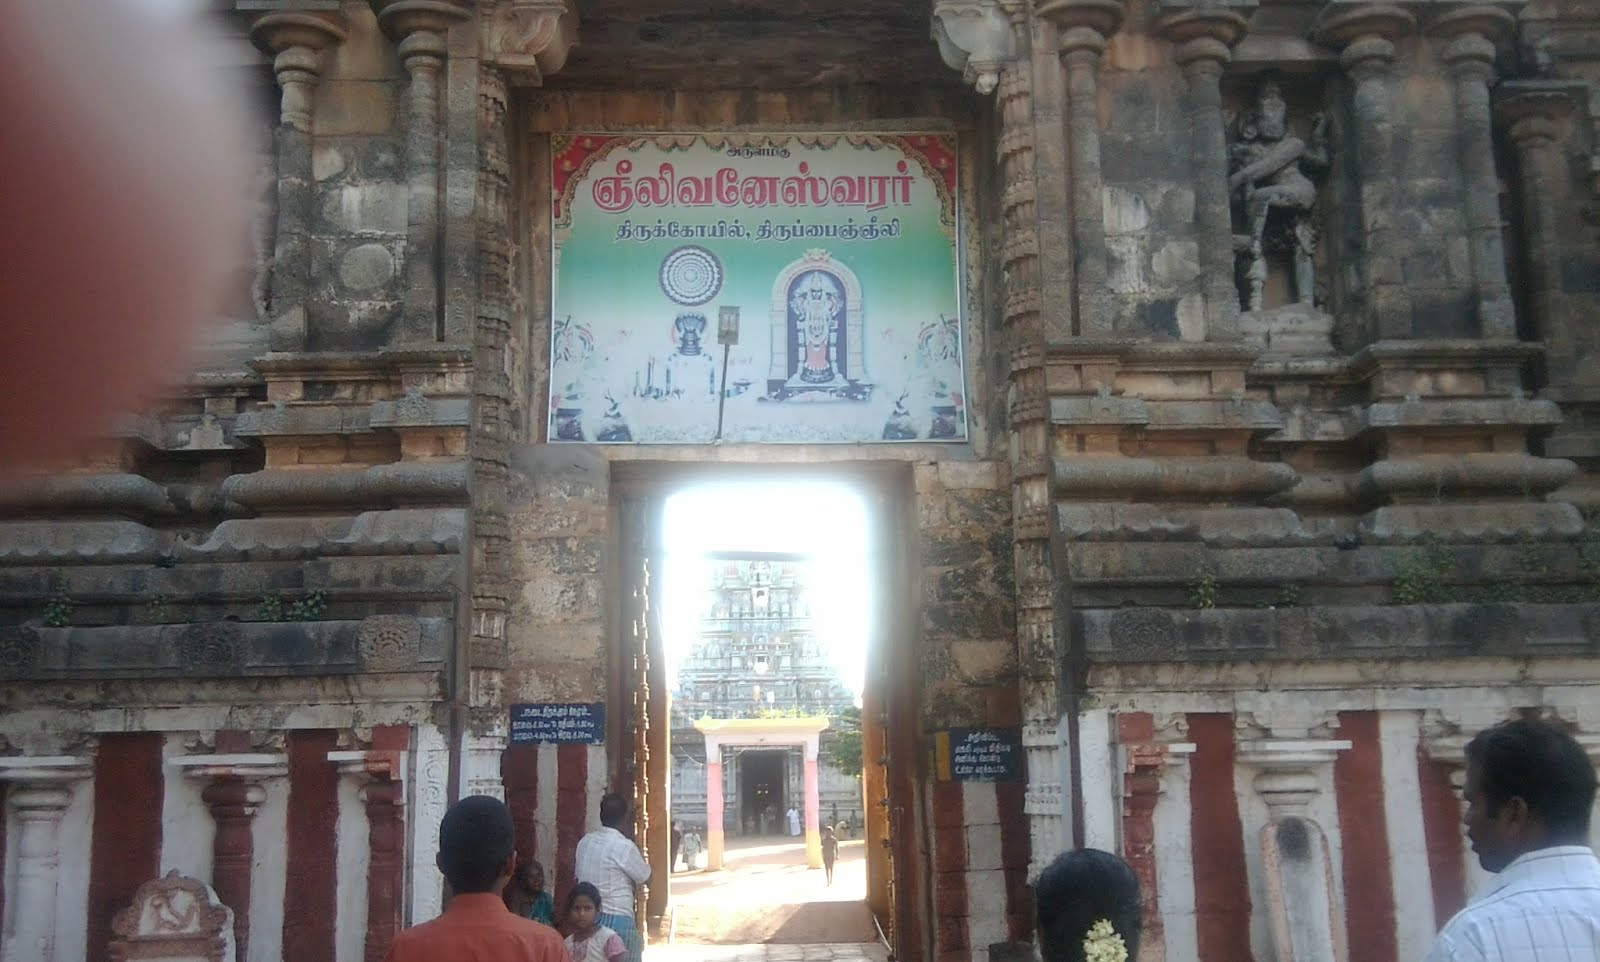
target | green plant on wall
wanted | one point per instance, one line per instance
(58, 612)
(1203, 592)
(158, 610)
(312, 607)
(1421, 575)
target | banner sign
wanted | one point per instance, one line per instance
(825, 262)
(978, 755)
(558, 724)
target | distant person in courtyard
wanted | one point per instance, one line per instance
(611, 862)
(794, 821)
(1088, 909)
(590, 941)
(526, 895)
(1530, 790)
(477, 855)
(691, 849)
(830, 851)
(677, 846)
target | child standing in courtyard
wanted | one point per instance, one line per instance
(830, 851)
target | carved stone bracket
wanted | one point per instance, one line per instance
(529, 39)
(976, 38)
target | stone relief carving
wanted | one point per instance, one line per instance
(173, 918)
(19, 652)
(389, 642)
(207, 647)
(1272, 176)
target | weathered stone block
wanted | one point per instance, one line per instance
(355, 107)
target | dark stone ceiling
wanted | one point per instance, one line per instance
(768, 44)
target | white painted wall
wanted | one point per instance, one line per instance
(986, 879)
(1102, 785)
(545, 816)
(1175, 862)
(352, 833)
(1398, 737)
(72, 890)
(188, 833)
(269, 876)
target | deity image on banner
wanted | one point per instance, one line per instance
(817, 332)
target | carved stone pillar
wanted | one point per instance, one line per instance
(1205, 39)
(1306, 925)
(1083, 27)
(419, 27)
(297, 39)
(233, 793)
(1534, 117)
(40, 790)
(383, 793)
(1467, 37)
(1367, 33)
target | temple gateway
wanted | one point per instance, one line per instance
(1220, 378)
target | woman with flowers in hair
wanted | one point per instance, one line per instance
(1088, 908)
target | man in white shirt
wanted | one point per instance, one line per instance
(612, 863)
(1530, 789)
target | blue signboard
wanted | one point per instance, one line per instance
(978, 755)
(558, 724)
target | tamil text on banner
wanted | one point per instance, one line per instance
(825, 262)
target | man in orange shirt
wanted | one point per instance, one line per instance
(477, 854)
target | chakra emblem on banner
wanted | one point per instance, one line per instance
(691, 275)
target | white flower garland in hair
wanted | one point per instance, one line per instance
(1103, 944)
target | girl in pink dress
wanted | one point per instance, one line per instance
(590, 941)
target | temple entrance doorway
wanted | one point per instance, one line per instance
(753, 683)
(763, 774)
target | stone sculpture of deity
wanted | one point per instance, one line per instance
(1272, 170)
(815, 308)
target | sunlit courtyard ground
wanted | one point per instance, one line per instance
(766, 905)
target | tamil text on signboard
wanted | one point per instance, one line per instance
(979, 754)
(826, 262)
(582, 723)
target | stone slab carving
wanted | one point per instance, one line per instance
(389, 642)
(173, 919)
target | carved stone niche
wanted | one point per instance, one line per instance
(173, 919)
(1279, 157)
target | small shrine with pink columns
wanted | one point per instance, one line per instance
(761, 733)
